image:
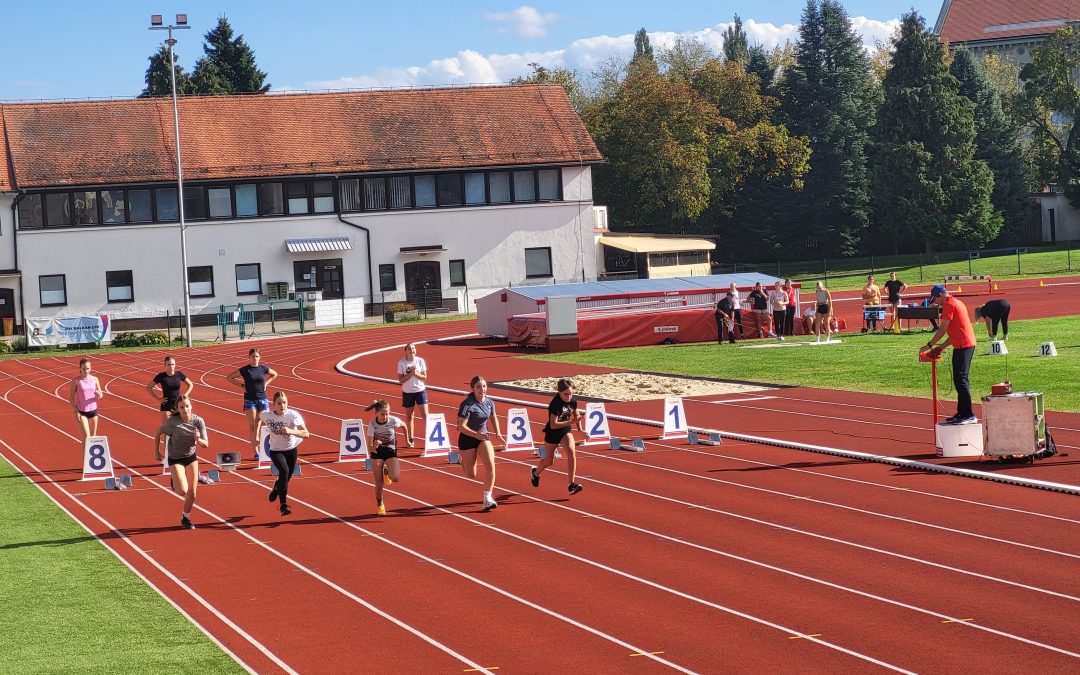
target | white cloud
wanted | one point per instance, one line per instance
(526, 21)
(584, 55)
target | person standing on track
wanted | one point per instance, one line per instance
(955, 322)
(184, 431)
(893, 288)
(824, 310)
(563, 416)
(170, 381)
(84, 394)
(412, 374)
(254, 378)
(474, 441)
(287, 431)
(993, 313)
(385, 466)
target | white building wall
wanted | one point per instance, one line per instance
(7, 232)
(1066, 218)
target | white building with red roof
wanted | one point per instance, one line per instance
(1010, 28)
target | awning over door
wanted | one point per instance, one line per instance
(318, 245)
(657, 244)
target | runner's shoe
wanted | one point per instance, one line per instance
(186, 524)
(381, 511)
(490, 506)
(273, 494)
(285, 510)
(573, 488)
(534, 479)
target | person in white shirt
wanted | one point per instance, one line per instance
(287, 431)
(778, 300)
(412, 374)
(385, 466)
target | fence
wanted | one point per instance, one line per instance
(259, 319)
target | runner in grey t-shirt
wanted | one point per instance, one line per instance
(183, 433)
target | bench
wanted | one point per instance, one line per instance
(997, 251)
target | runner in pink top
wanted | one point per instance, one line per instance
(84, 395)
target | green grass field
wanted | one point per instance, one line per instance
(69, 606)
(875, 363)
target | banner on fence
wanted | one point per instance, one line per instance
(68, 330)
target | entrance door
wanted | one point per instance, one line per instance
(332, 287)
(7, 308)
(423, 284)
(1053, 225)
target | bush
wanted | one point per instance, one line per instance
(126, 340)
(153, 338)
(179, 338)
(5, 347)
(401, 307)
(19, 343)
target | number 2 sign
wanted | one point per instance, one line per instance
(596, 424)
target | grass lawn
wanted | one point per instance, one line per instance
(876, 363)
(68, 605)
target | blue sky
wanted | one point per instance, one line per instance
(64, 49)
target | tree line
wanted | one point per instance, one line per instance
(820, 148)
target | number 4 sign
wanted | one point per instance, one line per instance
(674, 419)
(518, 435)
(437, 439)
(353, 446)
(97, 460)
(596, 424)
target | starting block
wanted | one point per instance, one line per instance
(121, 482)
(539, 452)
(296, 470)
(454, 457)
(713, 438)
(210, 477)
(228, 461)
(636, 445)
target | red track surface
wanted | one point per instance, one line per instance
(743, 557)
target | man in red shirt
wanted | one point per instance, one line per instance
(955, 322)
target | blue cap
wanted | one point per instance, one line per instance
(937, 290)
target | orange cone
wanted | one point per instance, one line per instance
(959, 289)
(1041, 283)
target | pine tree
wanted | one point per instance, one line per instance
(828, 97)
(736, 46)
(758, 64)
(642, 48)
(995, 143)
(229, 63)
(158, 82)
(927, 184)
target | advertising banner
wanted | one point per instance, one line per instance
(68, 330)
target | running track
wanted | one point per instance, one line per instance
(744, 557)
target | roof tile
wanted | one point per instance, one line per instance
(968, 20)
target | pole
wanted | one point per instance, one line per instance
(969, 264)
(1018, 261)
(933, 381)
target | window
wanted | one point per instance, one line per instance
(53, 290)
(140, 206)
(524, 186)
(220, 200)
(425, 191)
(474, 189)
(549, 184)
(247, 200)
(349, 194)
(271, 200)
(400, 192)
(693, 257)
(167, 205)
(30, 212)
(298, 198)
(449, 189)
(119, 286)
(85, 208)
(537, 262)
(58, 209)
(323, 196)
(248, 279)
(112, 207)
(663, 259)
(387, 278)
(374, 194)
(305, 274)
(194, 203)
(457, 272)
(499, 184)
(201, 281)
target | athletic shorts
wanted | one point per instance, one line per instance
(384, 452)
(89, 414)
(410, 399)
(468, 442)
(822, 309)
(260, 405)
(555, 436)
(182, 461)
(168, 405)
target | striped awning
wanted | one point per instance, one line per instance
(318, 245)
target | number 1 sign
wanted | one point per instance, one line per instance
(437, 439)
(674, 419)
(353, 447)
(97, 460)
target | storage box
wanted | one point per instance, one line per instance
(1015, 424)
(960, 440)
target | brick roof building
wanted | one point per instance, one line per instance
(1009, 27)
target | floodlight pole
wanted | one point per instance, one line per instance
(155, 24)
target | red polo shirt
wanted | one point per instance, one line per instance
(961, 334)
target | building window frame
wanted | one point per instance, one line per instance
(538, 273)
(457, 273)
(387, 271)
(63, 289)
(191, 276)
(114, 279)
(258, 278)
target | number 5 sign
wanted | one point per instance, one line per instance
(518, 434)
(674, 419)
(97, 460)
(437, 439)
(596, 424)
(353, 444)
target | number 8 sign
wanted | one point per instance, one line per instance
(353, 446)
(97, 460)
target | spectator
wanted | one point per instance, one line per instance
(725, 318)
(808, 319)
(993, 313)
(871, 296)
(893, 288)
(792, 307)
(955, 323)
(759, 304)
(737, 304)
(778, 300)
(933, 323)
(823, 312)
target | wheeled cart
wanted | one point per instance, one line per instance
(1014, 427)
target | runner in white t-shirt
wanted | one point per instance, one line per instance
(385, 466)
(412, 375)
(287, 431)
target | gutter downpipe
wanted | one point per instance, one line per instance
(367, 247)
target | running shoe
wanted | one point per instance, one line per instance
(386, 480)
(273, 494)
(285, 510)
(490, 506)
(971, 419)
(535, 479)
(381, 511)
(186, 524)
(573, 488)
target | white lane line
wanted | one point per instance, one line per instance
(736, 400)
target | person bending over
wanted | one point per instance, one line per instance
(993, 313)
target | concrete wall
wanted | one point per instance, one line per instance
(1066, 218)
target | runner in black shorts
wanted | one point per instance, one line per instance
(172, 383)
(563, 416)
(254, 378)
(385, 466)
(184, 431)
(995, 312)
(473, 439)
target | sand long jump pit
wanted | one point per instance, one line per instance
(639, 386)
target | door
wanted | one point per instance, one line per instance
(1053, 225)
(7, 310)
(332, 286)
(423, 284)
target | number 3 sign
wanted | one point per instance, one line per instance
(518, 435)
